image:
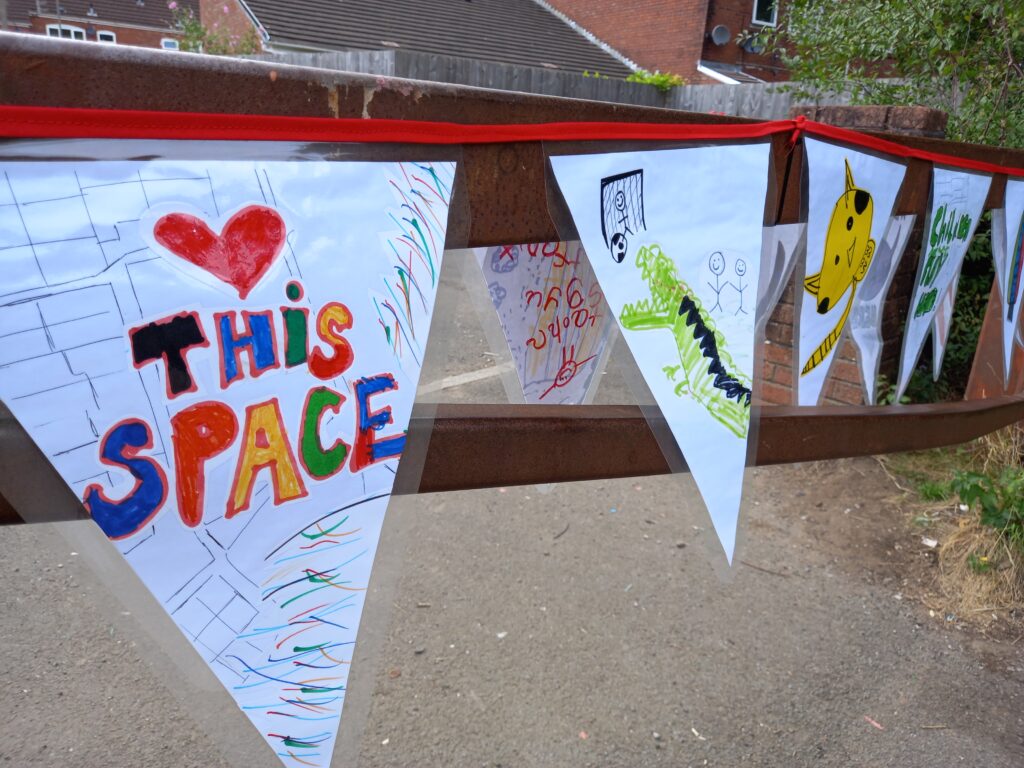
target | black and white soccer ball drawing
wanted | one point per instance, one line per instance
(618, 246)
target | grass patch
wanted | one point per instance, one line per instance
(979, 572)
(971, 498)
(931, 490)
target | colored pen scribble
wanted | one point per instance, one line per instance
(414, 250)
(563, 310)
(314, 581)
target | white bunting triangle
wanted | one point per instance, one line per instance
(220, 358)
(780, 249)
(1008, 253)
(553, 318)
(942, 324)
(866, 318)
(851, 197)
(957, 200)
(674, 237)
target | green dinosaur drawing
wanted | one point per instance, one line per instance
(709, 375)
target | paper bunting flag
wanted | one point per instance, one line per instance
(220, 358)
(866, 317)
(780, 247)
(674, 237)
(1008, 252)
(943, 322)
(553, 317)
(851, 197)
(956, 204)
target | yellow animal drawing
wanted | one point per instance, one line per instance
(848, 252)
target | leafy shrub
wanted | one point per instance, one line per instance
(663, 81)
(885, 392)
(1000, 498)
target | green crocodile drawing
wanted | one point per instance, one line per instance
(709, 374)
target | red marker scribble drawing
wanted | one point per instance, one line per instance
(239, 256)
(570, 367)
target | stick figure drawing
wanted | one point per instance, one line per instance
(741, 270)
(716, 263)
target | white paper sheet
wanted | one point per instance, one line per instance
(866, 317)
(781, 247)
(956, 205)
(1008, 253)
(942, 324)
(262, 556)
(674, 237)
(553, 316)
(850, 199)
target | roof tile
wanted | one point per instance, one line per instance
(506, 31)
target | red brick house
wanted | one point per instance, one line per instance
(692, 38)
(517, 32)
(146, 23)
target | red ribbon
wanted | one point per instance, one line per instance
(67, 123)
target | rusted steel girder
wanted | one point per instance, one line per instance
(475, 446)
(484, 446)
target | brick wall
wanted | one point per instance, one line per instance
(139, 36)
(659, 34)
(737, 16)
(843, 386)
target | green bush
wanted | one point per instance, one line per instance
(1000, 499)
(663, 81)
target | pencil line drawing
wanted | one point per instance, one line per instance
(622, 211)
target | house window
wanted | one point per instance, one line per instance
(106, 37)
(65, 31)
(168, 43)
(764, 12)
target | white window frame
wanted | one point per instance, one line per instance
(175, 44)
(54, 30)
(775, 15)
(111, 41)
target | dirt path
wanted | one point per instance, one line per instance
(528, 650)
(515, 640)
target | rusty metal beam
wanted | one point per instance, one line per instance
(542, 444)
(557, 443)
(987, 370)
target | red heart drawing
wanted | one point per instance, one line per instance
(240, 255)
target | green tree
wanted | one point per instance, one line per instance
(196, 37)
(965, 57)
